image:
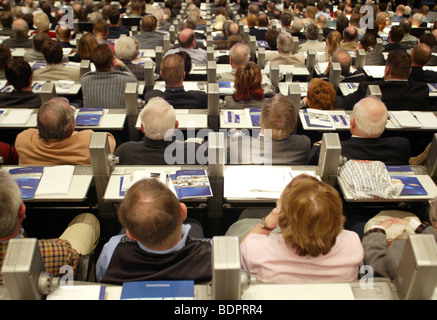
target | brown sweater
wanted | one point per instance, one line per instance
(32, 150)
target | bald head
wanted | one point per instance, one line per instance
(343, 57)
(421, 54)
(239, 55)
(369, 118)
(20, 27)
(350, 34)
(186, 38)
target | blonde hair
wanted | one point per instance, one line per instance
(311, 216)
(41, 22)
(278, 115)
(333, 39)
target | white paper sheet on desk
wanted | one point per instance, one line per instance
(427, 119)
(375, 71)
(17, 116)
(55, 180)
(406, 119)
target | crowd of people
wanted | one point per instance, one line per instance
(304, 238)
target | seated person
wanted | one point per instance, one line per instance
(312, 40)
(263, 26)
(80, 237)
(240, 55)
(173, 73)
(157, 244)
(5, 56)
(320, 95)
(343, 57)
(148, 37)
(55, 141)
(311, 245)
(20, 39)
(398, 93)
(284, 55)
(420, 56)
(278, 119)
(382, 250)
(9, 154)
(126, 50)
(158, 122)
(394, 39)
(187, 43)
(63, 34)
(350, 36)
(35, 53)
(114, 30)
(55, 70)
(105, 76)
(249, 92)
(367, 124)
(19, 74)
(374, 56)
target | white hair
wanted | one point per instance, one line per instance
(125, 48)
(10, 202)
(285, 42)
(418, 18)
(363, 119)
(158, 117)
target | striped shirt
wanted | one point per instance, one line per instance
(106, 89)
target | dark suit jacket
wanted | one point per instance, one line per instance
(115, 32)
(152, 152)
(181, 99)
(397, 95)
(19, 42)
(394, 47)
(20, 99)
(418, 74)
(391, 150)
(260, 34)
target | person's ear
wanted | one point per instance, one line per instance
(142, 128)
(176, 125)
(129, 234)
(184, 211)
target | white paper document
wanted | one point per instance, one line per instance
(427, 119)
(55, 180)
(405, 119)
(16, 116)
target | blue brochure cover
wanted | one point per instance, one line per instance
(402, 168)
(89, 116)
(158, 290)
(255, 114)
(224, 84)
(27, 179)
(412, 186)
(191, 184)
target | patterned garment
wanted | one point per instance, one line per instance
(55, 254)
